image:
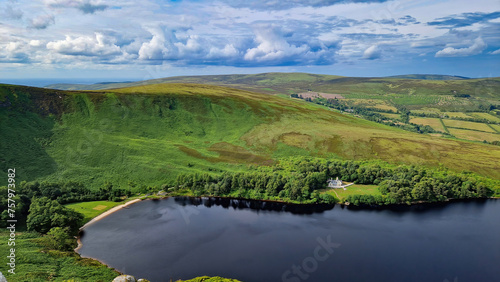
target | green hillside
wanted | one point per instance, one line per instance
(274, 83)
(148, 135)
(415, 92)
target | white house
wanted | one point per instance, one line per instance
(337, 183)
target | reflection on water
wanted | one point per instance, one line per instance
(253, 204)
(183, 238)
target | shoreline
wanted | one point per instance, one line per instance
(108, 212)
(101, 216)
(117, 208)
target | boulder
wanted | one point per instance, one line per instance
(125, 278)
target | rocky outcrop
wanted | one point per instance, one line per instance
(128, 278)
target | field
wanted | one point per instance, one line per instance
(435, 123)
(355, 189)
(426, 110)
(467, 125)
(474, 135)
(457, 114)
(384, 107)
(496, 127)
(92, 209)
(485, 116)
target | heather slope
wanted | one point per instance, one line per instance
(147, 135)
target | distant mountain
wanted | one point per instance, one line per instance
(265, 82)
(290, 83)
(430, 77)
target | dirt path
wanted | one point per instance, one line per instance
(336, 194)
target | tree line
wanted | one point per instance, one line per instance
(302, 179)
(40, 205)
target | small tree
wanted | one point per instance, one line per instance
(58, 238)
(44, 214)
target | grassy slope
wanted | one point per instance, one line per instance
(34, 265)
(415, 92)
(150, 134)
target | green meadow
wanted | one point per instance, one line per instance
(355, 189)
(93, 208)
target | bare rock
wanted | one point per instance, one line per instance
(125, 278)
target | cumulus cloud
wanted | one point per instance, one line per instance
(13, 52)
(42, 21)
(228, 51)
(371, 53)
(35, 43)
(97, 46)
(496, 52)
(159, 47)
(272, 46)
(174, 45)
(85, 6)
(476, 48)
(274, 49)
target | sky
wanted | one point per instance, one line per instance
(111, 40)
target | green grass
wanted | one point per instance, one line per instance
(394, 117)
(426, 110)
(467, 125)
(495, 127)
(435, 123)
(147, 135)
(93, 209)
(356, 189)
(486, 116)
(474, 135)
(457, 114)
(34, 265)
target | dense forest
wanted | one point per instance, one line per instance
(40, 205)
(302, 180)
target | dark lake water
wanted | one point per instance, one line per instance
(183, 238)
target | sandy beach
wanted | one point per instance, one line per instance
(103, 215)
(106, 213)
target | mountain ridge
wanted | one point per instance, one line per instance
(235, 79)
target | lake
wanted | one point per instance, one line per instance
(181, 238)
